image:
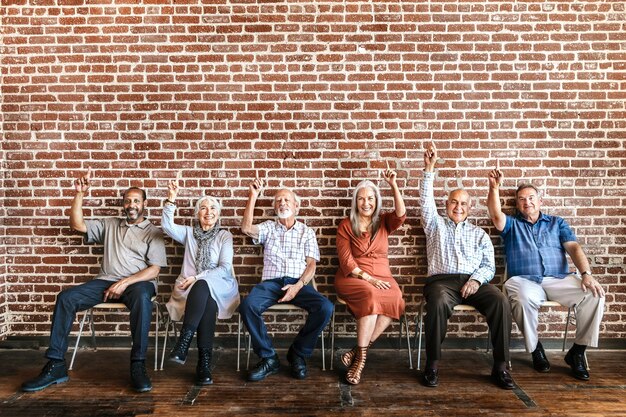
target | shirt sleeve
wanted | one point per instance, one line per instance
(173, 230)
(156, 249)
(427, 203)
(95, 230)
(224, 262)
(507, 226)
(344, 250)
(566, 234)
(311, 250)
(487, 268)
(392, 221)
(264, 231)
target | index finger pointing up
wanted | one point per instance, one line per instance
(432, 143)
(88, 175)
(497, 164)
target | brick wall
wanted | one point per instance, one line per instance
(314, 95)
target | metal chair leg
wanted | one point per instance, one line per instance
(93, 330)
(569, 312)
(156, 338)
(408, 341)
(168, 323)
(238, 341)
(80, 332)
(419, 344)
(332, 340)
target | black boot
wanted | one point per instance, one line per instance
(55, 372)
(179, 353)
(139, 377)
(203, 369)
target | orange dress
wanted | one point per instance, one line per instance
(363, 298)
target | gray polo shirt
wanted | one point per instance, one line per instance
(128, 249)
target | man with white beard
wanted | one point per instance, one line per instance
(290, 254)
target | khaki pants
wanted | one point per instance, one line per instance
(527, 296)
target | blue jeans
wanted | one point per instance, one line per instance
(84, 296)
(266, 294)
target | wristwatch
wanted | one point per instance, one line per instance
(582, 274)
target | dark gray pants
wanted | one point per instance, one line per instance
(443, 292)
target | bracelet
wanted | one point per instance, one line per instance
(168, 201)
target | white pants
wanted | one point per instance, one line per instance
(527, 296)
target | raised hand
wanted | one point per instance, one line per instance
(389, 175)
(430, 157)
(172, 190)
(256, 186)
(83, 183)
(496, 176)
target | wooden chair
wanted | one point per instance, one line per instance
(283, 308)
(404, 325)
(109, 307)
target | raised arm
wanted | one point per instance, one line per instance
(493, 198)
(76, 211)
(248, 215)
(427, 197)
(173, 230)
(389, 176)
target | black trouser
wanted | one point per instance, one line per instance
(201, 313)
(443, 292)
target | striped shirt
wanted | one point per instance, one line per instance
(285, 250)
(454, 248)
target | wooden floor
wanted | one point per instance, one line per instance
(99, 386)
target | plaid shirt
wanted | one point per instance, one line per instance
(534, 251)
(285, 250)
(454, 248)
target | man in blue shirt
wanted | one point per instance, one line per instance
(535, 245)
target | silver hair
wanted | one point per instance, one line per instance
(210, 200)
(296, 198)
(354, 211)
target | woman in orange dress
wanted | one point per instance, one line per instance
(364, 279)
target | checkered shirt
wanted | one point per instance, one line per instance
(454, 248)
(285, 250)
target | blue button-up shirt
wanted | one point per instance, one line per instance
(534, 251)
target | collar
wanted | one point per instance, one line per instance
(455, 225)
(542, 218)
(296, 226)
(141, 225)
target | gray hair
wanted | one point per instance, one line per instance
(354, 211)
(210, 200)
(296, 198)
(525, 185)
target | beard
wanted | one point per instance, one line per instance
(284, 214)
(132, 214)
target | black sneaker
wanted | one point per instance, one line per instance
(298, 365)
(540, 361)
(431, 377)
(139, 377)
(267, 366)
(54, 372)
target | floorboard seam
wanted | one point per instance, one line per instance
(345, 392)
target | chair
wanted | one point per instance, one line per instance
(419, 329)
(550, 303)
(403, 322)
(108, 307)
(281, 307)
